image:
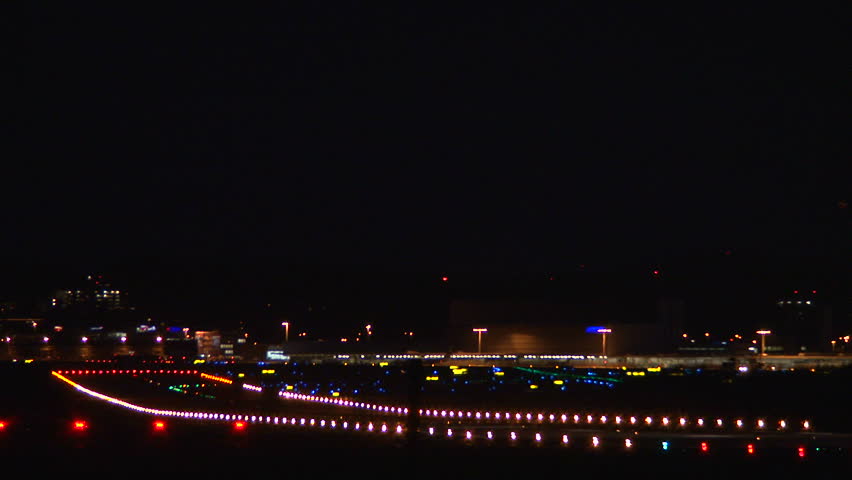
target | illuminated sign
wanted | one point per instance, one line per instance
(277, 355)
(598, 330)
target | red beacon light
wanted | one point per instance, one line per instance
(239, 426)
(704, 447)
(750, 449)
(2, 425)
(159, 426)
(80, 425)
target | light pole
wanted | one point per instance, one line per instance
(479, 331)
(286, 326)
(763, 334)
(603, 331)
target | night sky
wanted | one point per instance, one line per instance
(477, 138)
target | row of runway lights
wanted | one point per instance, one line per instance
(529, 417)
(131, 372)
(506, 416)
(240, 425)
(240, 420)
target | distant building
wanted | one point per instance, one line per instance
(803, 323)
(7, 307)
(208, 344)
(536, 326)
(95, 294)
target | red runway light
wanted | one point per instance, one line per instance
(750, 449)
(239, 426)
(80, 425)
(704, 447)
(159, 425)
(801, 452)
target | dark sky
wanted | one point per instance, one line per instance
(531, 137)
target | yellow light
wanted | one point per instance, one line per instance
(432, 379)
(654, 369)
(558, 382)
(241, 375)
(335, 394)
(499, 374)
(289, 387)
(533, 387)
(383, 364)
(197, 361)
(218, 379)
(29, 360)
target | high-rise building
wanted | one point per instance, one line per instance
(95, 294)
